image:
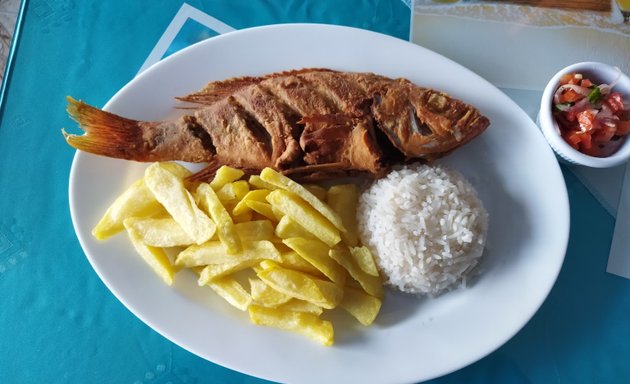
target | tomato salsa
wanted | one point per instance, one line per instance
(592, 118)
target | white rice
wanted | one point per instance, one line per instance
(425, 226)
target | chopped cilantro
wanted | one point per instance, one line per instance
(594, 95)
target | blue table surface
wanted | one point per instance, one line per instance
(59, 323)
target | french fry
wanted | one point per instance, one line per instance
(291, 260)
(210, 252)
(304, 323)
(277, 213)
(226, 193)
(262, 208)
(305, 215)
(343, 200)
(136, 201)
(240, 188)
(301, 286)
(215, 252)
(234, 191)
(155, 257)
(244, 218)
(223, 264)
(267, 264)
(255, 195)
(281, 181)
(359, 304)
(209, 201)
(255, 230)
(364, 259)
(214, 272)
(256, 182)
(232, 291)
(178, 170)
(287, 228)
(316, 253)
(169, 190)
(265, 295)
(371, 284)
(225, 175)
(297, 305)
(319, 192)
(158, 232)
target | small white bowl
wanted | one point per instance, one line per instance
(599, 73)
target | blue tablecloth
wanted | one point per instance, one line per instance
(58, 322)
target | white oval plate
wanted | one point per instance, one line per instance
(413, 339)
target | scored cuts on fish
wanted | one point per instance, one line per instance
(309, 124)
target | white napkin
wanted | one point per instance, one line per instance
(605, 184)
(619, 257)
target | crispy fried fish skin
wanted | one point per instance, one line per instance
(310, 122)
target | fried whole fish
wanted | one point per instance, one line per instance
(309, 123)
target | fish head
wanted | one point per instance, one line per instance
(423, 123)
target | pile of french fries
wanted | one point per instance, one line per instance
(281, 251)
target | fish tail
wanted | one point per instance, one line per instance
(105, 134)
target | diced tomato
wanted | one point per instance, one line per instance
(570, 78)
(615, 102)
(583, 129)
(566, 78)
(570, 96)
(623, 127)
(572, 138)
(578, 140)
(571, 114)
(586, 141)
(586, 119)
(586, 83)
(604, 133)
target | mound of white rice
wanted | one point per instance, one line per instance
(425, 226)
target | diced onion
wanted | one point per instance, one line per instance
(579, 106)
(605, 88)
(578, 89)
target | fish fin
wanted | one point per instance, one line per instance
(208, 172)
(106, 134)
(318, 172)
(218, 90)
